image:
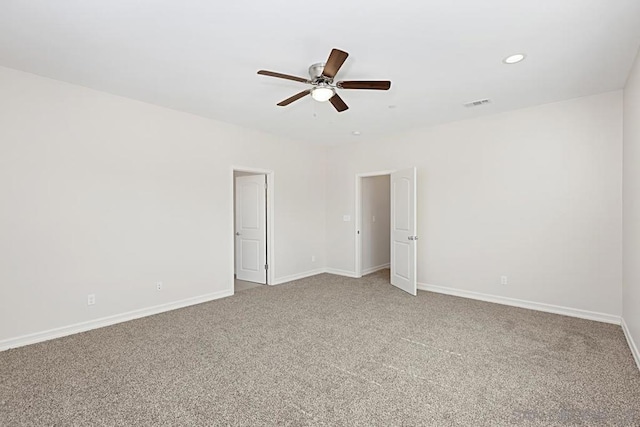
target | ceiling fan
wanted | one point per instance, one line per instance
(321, 78)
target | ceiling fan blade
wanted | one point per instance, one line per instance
(335, 61)
(283, 76)
(362, 84)
(338, 103)
(294, 98)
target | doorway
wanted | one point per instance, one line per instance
(375, 228)
(252, 225)
(401, 233)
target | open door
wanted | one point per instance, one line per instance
(251, 242)
(403, 230)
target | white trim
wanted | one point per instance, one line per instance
(270, 221)
(631, 342)
(358, 218)
(531, 305)
(292, 277)
(339, 272)
(374, 269)
(107, 321)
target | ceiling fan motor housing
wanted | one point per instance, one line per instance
(315, 72)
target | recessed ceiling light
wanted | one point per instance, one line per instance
(355, 133)
(514, 59)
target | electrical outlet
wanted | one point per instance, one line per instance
(346, 218)
(503, 280)
(158, 286)
(91, 299)
(313, 258)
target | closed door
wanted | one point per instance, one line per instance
(403, 230)
(251, 241)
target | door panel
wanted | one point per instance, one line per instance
(402, 255)
(401, 190)
(249, 202)
(250, 251)
(404, 230)
(251, 226)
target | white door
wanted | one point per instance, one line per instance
(251, 242)
(403, 230)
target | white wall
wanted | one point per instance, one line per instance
(375, 192)
(533, 194)
(106, 195)
(631, 212)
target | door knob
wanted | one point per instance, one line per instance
(237, 233)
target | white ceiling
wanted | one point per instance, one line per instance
(201, 56)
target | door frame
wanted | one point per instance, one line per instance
(269, 225)
(358, 216)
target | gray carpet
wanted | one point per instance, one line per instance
(241, 285)
(329, 351)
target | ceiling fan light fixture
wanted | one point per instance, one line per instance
(322, 93)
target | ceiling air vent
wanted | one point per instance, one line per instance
(477, 103)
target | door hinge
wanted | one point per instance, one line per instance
(266, 186)
(266, 266)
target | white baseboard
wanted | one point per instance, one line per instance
(531, 305)
(631, 342)
(292, 277)
(374, 269)
(135, 314)
(339, 272)
(107, 321)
